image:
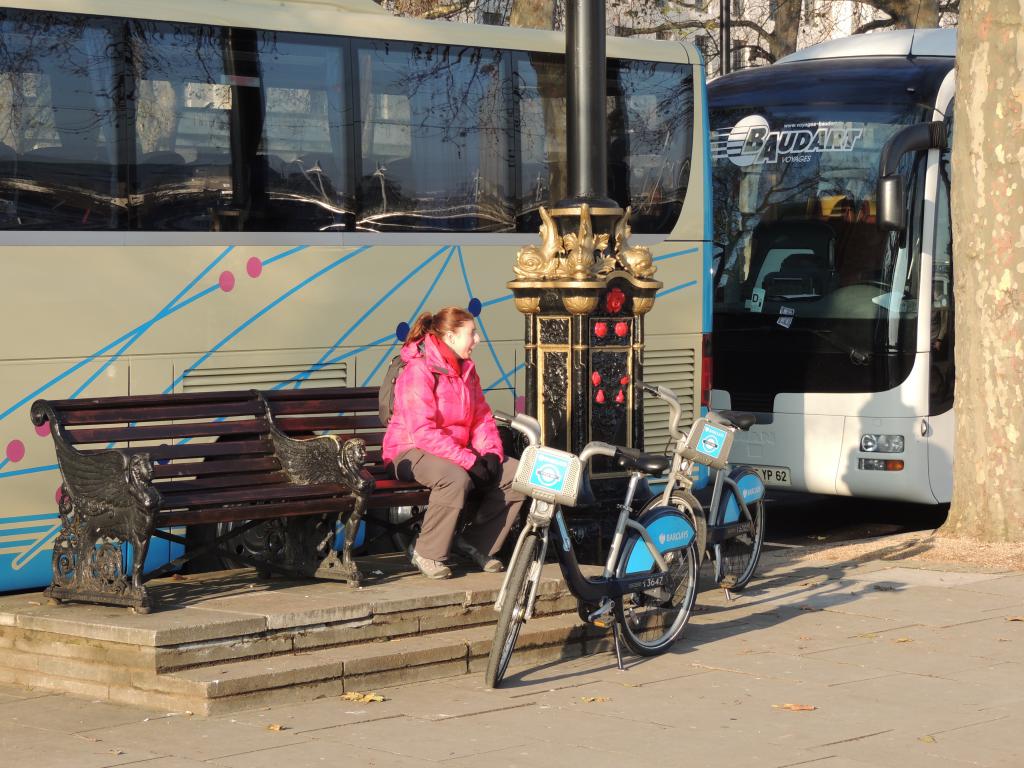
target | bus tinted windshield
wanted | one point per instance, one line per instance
(808, 291)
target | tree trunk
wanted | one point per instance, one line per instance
(909, 14)
(787, 27)
(988, 248)
(532, 14)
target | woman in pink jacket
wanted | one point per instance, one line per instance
(442, 435)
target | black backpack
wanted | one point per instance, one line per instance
(386, 395)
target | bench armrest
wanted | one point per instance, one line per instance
(102, 480)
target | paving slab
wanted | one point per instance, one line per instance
(195, 738)
(53, 713)
(907, 749)
(31, 746)
(437, 741)
(312, 753)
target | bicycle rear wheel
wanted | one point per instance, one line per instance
(652, 620)
(736, 559)
(513, 611)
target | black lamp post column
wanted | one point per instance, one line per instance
(584, 290)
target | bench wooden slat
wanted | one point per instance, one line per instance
(274, 396)
(203, 468)
(183, 411)
(167, 431)
(303, 424)
(325, 406)
(229, 481)
(246, 495)
(192, 450)
(142, 401)
(254, 511)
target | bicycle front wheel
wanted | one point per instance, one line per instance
(652, 620)
(513, 611)
(736, 559)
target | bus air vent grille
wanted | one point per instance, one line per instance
(675, 369)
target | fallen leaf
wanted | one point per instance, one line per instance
(795, 707)
(903, 640)
(276, 727)
(926, 739)
(1015, 618)
(116, 751)
(885, 587)
(363, 698)
(869, 635)
(806, 637)
(594, 699)
(87, 738)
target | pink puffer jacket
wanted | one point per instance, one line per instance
(443, 414)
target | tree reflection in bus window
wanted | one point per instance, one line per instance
(434, 123)
(182, 124)
(58, 153)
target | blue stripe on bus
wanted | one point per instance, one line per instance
(323, 361)
(28, 470)
(499, 300)
(676, 253)
(498, 380)
(480, 323)
(294, 289)
(141, 330)
(673, 289)
(412, 317)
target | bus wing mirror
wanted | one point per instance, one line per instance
(891, 204)
(913, 138)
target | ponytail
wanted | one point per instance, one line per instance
(438, 324)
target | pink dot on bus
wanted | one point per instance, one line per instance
(227, 281)
(15, 451)
(43, 430)
(254, 267)
(521, 404)
(57, 496)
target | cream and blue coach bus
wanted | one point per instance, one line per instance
(247, 193)
(836, 331)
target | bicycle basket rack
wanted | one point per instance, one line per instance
(709, 443)
(549, 475)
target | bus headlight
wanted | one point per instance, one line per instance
(881, 443)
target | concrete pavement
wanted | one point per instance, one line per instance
(892, 664)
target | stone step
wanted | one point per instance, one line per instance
(228, 641)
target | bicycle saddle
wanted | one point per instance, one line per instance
(738, 419)
(649, 463)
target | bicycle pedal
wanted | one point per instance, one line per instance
(602, 616)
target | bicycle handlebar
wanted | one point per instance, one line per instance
(530, 427)
(675, 410)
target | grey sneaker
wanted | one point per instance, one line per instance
(484, 562)
(432, 569)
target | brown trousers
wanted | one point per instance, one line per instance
(493, 510)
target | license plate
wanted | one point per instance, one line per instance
(773, 475)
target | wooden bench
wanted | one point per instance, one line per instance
(347, 413)
(135, 465)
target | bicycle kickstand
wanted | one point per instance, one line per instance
(618, 650)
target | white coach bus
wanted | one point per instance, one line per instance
(837, 332)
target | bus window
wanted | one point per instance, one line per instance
(539, 92)
(649, 140)
(307, 134)
(182, 124)
(434, 137)
(58, 154)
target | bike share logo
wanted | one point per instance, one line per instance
(668, 538)
(709, 443)
(549, 475)
(752, 141)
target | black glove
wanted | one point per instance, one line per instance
(493, 466)
(480, 474)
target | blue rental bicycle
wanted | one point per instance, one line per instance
(647, 588)
(732, 531)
